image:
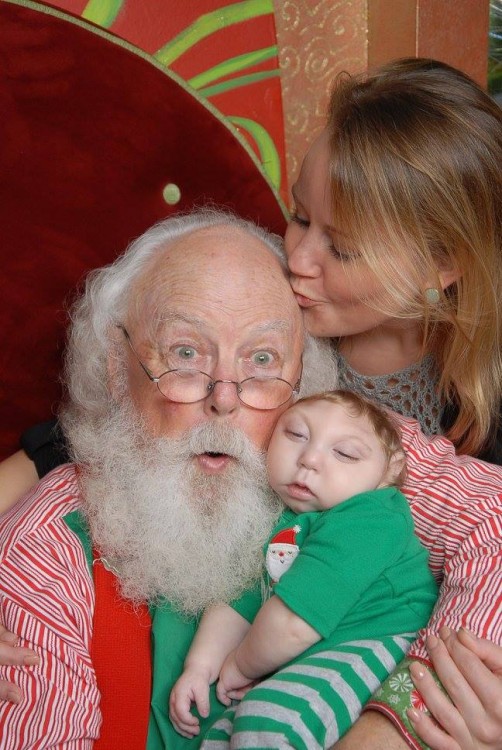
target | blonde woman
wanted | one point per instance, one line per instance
(395, 252)
(395, 246)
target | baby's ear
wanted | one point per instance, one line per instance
(396, 469)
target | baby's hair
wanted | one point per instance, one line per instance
(416, 181)
(385, 429)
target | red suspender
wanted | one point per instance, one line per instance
(121, 656)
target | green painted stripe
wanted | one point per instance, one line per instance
(266, 146)
(208, 23)
(235, 83)
(102, 12)
(232, 65)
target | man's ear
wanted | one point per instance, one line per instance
(395, 469)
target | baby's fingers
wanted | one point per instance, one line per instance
(185, 729)
(183, 721)
(222, 695)
(201, 700)
(239, 694)
(179, 709)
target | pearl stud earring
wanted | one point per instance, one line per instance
(432, 295)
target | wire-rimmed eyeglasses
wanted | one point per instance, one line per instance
(186, 386)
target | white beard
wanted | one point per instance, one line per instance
(168, 529)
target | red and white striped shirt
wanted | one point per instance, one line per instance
(47, 597)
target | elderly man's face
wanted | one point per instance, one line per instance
(218, 301)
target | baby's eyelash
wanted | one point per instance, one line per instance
(294, 434)
(346, 456)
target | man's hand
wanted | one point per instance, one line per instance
(232, 683)
(11, 654)
(192, 687)
(470, 669)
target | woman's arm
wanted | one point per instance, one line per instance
(456, 506)
(17, 475)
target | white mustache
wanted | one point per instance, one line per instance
(210, 437)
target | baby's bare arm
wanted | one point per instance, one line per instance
(221, 629)
(276, 636)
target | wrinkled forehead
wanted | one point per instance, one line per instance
(219, 276)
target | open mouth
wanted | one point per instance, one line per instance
(213, 462)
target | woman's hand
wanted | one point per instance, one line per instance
(470, 670)
(11, 654)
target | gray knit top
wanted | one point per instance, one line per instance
(411, 392)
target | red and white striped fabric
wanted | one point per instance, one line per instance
(47, 598)
(46, 593)
(456, 503)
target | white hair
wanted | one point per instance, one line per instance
(106, 300)
(168, 530)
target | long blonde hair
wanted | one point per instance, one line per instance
(416, 176)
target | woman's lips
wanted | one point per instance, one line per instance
(305, 301)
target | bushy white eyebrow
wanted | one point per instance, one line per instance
(272, 325)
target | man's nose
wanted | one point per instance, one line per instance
(223, 398)
(305, 258)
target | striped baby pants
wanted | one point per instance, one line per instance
(311, 703)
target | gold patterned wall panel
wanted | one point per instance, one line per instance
(316, 41)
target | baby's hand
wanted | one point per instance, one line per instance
(192, 687)
(232, 683)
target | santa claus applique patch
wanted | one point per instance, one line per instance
(282, 551)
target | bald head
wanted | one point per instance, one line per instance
(222, 268)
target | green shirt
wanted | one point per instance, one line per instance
(360, 573)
